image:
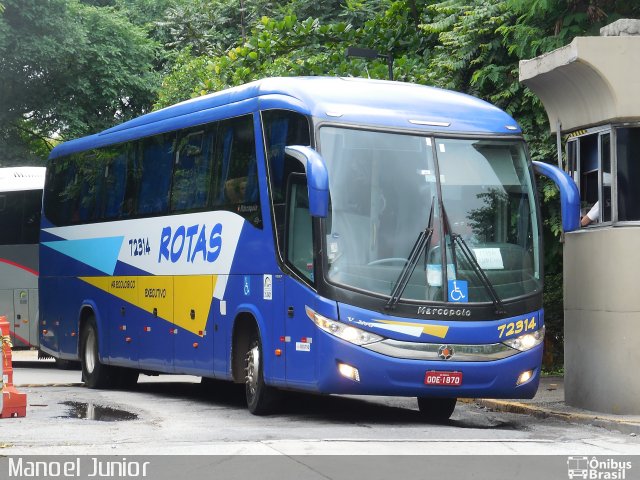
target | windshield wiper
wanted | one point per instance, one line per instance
(468, 254)
(405, 275)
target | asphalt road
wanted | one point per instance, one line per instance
(175, 415)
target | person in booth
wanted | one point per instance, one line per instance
(591, 216)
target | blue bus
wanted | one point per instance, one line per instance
(328, 235)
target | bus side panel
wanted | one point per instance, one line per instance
(34, 316)
(49, 307)
(193, 335)
(221, 324)
(246, 296)
(155, 297)
(18, 281)
(302, 352)
(6, 309)
(120, 325)
(61, 301)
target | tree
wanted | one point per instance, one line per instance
(68, 69)
(479, 47)
(210, 27)
(291, 46)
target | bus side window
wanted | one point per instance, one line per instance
(192, 172)
(156, 160)
(59, 199)
(282, 128)
(299, 231)
(89, 185)
(10, 212)
(237, 183)
(115, 173)
(31, 216)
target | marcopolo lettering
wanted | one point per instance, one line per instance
(190, 243)
(444, 312)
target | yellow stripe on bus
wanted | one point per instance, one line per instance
(182, 300)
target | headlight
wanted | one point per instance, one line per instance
(341, 330)
(527, 341)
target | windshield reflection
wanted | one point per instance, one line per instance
(383, 187)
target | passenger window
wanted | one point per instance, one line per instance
(237, 182)
(115, 174)
(282, 128)
(10, 216)
(156, 161)
(299, 244)
(59, 198)
(192, 172)
(90, 182)
(32, 204)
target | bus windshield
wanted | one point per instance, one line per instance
(471, 200)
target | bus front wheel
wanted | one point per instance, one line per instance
(94, 373)
(261, 398)
(436, 409)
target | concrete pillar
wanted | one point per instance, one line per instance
(602, 319)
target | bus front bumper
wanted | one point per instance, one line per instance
(359, 371)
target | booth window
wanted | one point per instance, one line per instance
(589, 163)
(628, 159)
(593, 157)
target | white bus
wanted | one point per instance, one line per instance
(20, 206)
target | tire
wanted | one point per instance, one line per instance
(261, 399)
(436, 409)
(94, 373)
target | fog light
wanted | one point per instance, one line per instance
(524, 377)
(349, 372)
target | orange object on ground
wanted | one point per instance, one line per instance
(14, 403)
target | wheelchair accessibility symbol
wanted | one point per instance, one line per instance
(458, 291)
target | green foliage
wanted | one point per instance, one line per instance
(69, 69)
(289, 46)
(468, 46)
(282, 47)
(210, 27)
(553, 320)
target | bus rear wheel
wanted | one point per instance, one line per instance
(436, 409)
(261, 398)
(94, 373)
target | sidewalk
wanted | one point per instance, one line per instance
(549, 403)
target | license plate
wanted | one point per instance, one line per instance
(443, 379)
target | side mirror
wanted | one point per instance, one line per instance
(317, 178)
(569, 195)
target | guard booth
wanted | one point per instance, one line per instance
(591, 92)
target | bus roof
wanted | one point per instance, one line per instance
(343, 100)
(14, 179)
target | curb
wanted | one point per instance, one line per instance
(42, 385)
(609, 423)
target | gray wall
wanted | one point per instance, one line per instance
(602, 319)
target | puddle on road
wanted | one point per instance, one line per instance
(90, 411)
